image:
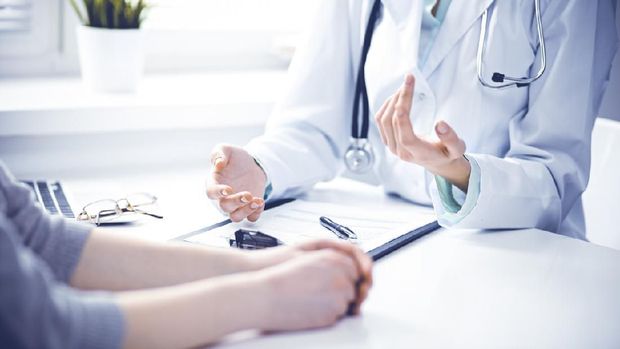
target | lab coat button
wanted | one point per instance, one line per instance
(421, 96)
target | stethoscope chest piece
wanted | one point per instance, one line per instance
(359, 157)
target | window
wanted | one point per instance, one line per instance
(15, 15)
(38, 36)
(28, 34)
(224, 33)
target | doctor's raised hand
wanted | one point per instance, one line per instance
(444, 157)
(237, 183)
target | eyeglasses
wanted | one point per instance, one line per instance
(107, 210)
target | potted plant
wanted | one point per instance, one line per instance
(110, 43)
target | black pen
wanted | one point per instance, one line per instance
(340, 230)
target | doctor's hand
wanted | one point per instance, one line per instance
(237, 183)
(444, 158)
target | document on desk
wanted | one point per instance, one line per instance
(298, 221)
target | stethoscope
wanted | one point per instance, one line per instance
(359, 157)
(501, 80)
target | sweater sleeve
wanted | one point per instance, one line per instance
(55, 240)
(37, 311)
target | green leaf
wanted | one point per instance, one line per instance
(78, 12)
(113, 14)
(90, 11)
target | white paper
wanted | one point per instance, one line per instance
(299, 221)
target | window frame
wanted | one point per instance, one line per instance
(165, 52)
(38, 51)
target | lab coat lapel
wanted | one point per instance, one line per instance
(399, 10)
(461, 15)
(407, 17)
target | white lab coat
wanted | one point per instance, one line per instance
(532, 144)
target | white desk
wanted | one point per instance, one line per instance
(451, 289)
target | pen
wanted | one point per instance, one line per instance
(340, 230)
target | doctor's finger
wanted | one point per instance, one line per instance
(405, 96)
(233, 202)
(386, 125)
(245, 211)
(218, 191)
(408, 144)
(449, 138)
(400, 113)
(403, 131)
(220, 156)
(380, 114)
(256, 214)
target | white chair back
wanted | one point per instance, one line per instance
(601, 199)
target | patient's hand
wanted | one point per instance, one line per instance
(270, 257)
(312, 290)
(237, 183)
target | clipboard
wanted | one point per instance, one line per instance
(376, 253)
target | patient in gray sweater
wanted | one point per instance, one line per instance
(38, 255)
(156, 294)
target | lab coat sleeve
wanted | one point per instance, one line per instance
(547, 165)
(456, 205)
(308, 131)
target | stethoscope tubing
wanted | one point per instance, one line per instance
(360, 87)
(512, 81)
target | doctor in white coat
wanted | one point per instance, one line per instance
(485, 158)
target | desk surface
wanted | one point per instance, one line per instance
(451, 289)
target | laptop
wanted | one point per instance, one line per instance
(52, 196)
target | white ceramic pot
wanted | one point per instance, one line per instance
(111, 60)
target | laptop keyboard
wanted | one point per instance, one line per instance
(51, 195)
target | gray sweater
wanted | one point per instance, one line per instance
(38, 255)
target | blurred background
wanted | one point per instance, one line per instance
(213, 70)
(38, 37)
